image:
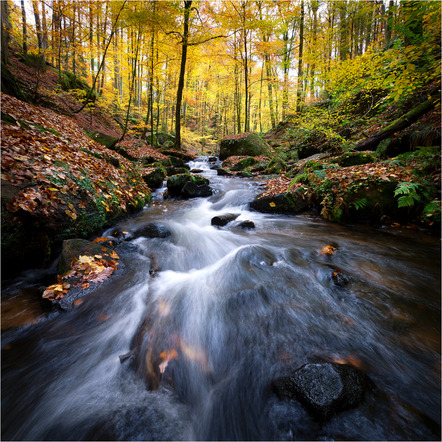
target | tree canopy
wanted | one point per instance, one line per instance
(217, 68)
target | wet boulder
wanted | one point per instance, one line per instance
(244, 164)
(153, 230)
(325, 389)
(73, 248)
(194, 190)
(222, 220)
(186, 185)
(222, 172)
(289, 202)
(246, 225)
(122, 235)
(247, 144)
(155, 178)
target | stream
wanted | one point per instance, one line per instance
(218, 313)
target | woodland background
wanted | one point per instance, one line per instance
(248, 64)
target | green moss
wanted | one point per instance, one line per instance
(244, 164)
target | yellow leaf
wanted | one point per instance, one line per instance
(53, 189)
(85, 259)
(71, 214)
(272, 204)
(71, 206)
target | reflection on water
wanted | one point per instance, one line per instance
(228, 311)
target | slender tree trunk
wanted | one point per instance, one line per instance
(314, 6)
(389, 25)
(39, 30)
(91, 90)
(44, 26)
(131, 92)
(246, 72)
(24, 27)
(187, 7)
(5, 31)
(91, 34)
(300, 59)
(343, 42)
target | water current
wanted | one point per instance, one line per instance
(212, 315)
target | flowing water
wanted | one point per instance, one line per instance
(212, 315)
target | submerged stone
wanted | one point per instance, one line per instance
(154, 230)
(222, 220)
(324, 389)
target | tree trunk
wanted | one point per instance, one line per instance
(5, 31)
(343, 32)
(25, 32)
(187, 6)
(300, 61)
(401, 123)
(389, 25)
(39, 30)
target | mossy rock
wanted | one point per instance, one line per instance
(176, 162)
(276, 166)
(155, 178)
(248, 144)
(222, 172)
(379, 201)
(182, 155)
(355, 159)
(176, 183)
(73, 248)
(244, 164)
(105, 140)
(289, 203)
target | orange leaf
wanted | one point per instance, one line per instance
(327, 250)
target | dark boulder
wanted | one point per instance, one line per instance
(247, 224)
(325, 389)
(194, 190)
(188, 186)
(173, 153)
(175, 183)
(222, 220)
(244, 164)
(247, 144)
(153, 230)
(222, 172)
(290, 202)
(122, 235)
(212, 159)
(73, 248)
(155, 178)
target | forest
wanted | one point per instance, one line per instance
(220, 220)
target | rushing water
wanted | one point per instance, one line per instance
(227, 311)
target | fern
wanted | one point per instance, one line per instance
(360, 204)
(409, 194)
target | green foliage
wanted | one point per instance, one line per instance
(409, 194)
(360, 203)
(432, 212)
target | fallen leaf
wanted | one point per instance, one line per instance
(114, 255)
(78, 301)
(71, 214)
(327, 250)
